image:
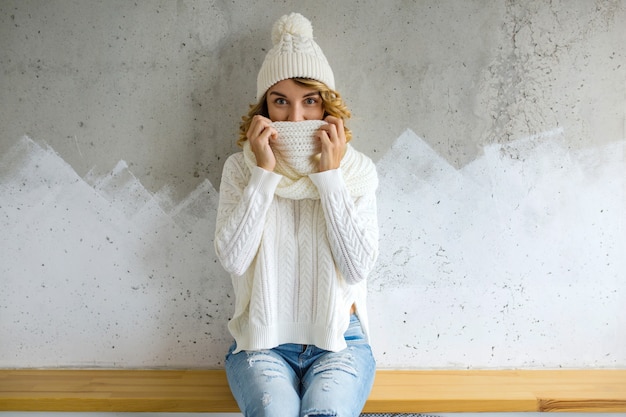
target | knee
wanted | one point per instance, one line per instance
(263, 385)
(320, 413)
(327, 413)
(269, 405)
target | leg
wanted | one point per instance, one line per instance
(338, 383)
(263, 384)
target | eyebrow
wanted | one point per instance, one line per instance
(313, 93)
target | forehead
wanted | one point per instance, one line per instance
(292, 88)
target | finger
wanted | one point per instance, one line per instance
(265, 136)
(273, 132)
(334, 121)
(333, 132)
(335, 128)
(259, 123)
(323, 135)
(256, 127)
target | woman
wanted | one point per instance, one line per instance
(297, 230)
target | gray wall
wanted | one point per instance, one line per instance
(163, 84)
(498, 128)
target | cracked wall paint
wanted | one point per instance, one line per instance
(162, 85)
(487, 266)
(545, 75)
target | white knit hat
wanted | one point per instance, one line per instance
(294, 54)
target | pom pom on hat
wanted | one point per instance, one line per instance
(294, 24)
(294, 54)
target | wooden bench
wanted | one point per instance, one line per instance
(411, 391)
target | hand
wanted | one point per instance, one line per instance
(333, 140)
(260, 133)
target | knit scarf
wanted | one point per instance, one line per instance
(297, 155)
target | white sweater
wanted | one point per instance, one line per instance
(297, 266)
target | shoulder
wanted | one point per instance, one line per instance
(235, 166)
(354, 154)
(358, 162)
(235, 160)
(359, 172)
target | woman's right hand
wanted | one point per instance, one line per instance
(260, 133)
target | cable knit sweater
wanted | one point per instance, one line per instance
(297, 265)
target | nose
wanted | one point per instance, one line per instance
(295, 114)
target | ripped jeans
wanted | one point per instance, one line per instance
(294, 380)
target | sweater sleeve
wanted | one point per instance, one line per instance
(245, 197)
(352, 225)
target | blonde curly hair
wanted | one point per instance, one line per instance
(332, 103)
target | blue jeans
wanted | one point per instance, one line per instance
(294, 380)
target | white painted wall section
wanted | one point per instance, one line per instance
(514, 261)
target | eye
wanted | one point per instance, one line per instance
(280, 101)
(311, 101)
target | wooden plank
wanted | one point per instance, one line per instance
(447, 391)
(579, 391)
(583, 405)
(401, 391)
(116, 390)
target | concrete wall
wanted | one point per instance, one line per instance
(498, 128)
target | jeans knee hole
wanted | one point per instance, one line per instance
(329, 366)
(272, 373)
(320, 413)
(262, 357)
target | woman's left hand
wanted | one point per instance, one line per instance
(333, 139)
